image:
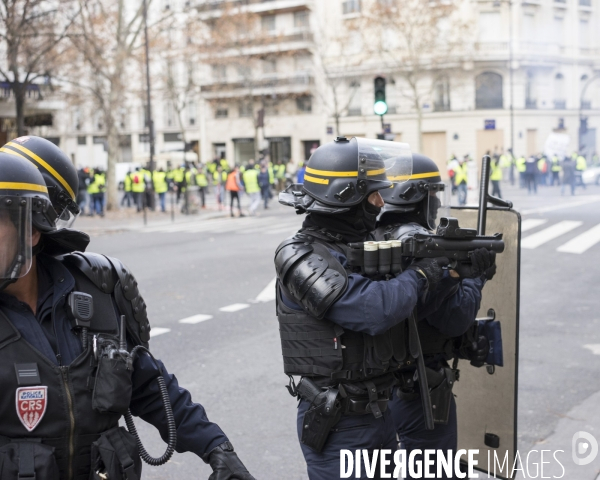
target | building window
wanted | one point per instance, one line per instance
(301, 19)
(489, 27)
(354, 99)
(302, 63)
(304, 104)
(221, 112)
(530, 100)
(558, 33)
(268, 23)
(560, 101)
(529, 30)
(219, 73)
(244, 72)
(192, 111)
(350, 6)
(246, 110)
(98, 121)
(81, 140)
(441, 95)
(143, 118)
(488, 91)
(169, 115)
(269, 66)
(77, 124)
(584, 33)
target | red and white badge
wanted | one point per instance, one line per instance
(31, 405)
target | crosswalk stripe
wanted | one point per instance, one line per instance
(594, 348)
(531, 223)
(550, 233)
(195, 319)
(234, 308)
(582, 242)
(155, 331)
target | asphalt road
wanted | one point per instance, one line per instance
(231, 362)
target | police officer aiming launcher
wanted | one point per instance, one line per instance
(74, 343)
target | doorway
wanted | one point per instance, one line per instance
(434, 146)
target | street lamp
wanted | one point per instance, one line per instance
(497, 3)
(148, 98)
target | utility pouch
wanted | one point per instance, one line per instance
(113, 385)
(441, 396)
(28, 460)
(115, 456)
(324, 412)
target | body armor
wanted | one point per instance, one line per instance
(70, 423)
(310, 275)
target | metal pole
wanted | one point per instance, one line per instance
(483, 195)
(512, 88)
(148, 98)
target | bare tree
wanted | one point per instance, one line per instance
(32, 34)
(418, 42)
(106, 38)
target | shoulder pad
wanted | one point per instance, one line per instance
(290, 251)
(311, 275)
(111, 276)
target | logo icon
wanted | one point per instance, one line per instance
(31, 405)
(585, 448)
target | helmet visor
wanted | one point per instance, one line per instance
(384, 161)
(66, 219)
(15, 237)
(438, 204)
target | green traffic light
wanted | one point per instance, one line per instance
(380, 108)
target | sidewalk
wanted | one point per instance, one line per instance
(129, 219)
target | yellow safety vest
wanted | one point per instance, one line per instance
(250, 177)
(216, 177)
(496, 170)
(556, 164)
(521, 167)
(581, 163)
(201, 180)
(178, 175)
(160, 182)
(127, 182)
(138, 186)
(460, 175)
(280, 171)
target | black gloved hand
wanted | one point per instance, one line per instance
(482, 260)
(490, 272)
(226, 464)
(478, 351)
(432, 268)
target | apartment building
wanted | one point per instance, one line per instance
(540, 56)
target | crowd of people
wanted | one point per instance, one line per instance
(190, 183)
(531, 171)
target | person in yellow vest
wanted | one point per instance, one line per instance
(96, 190)
(161, 186)
(149, 191)
(138, 188)
(219, 180)
(521, 167)
(496, 175)
(580, 167)
(234, 186)
(224, 165)
(542, 166)
(212, 166)
(250, 179)
(179, 180)
(127, 195)
(280, 171)
(461, 179)
(555, 170)
(202, 183)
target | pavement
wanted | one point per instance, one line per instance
(208, 283)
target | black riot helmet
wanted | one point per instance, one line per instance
(24, 203)
(58, 171)
(424, 194)
(342, 174)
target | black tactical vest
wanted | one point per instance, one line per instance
(320, 348)
(69, 423)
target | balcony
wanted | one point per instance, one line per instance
(290, 85)
(212, 8)
(530, 104)
(560, 104)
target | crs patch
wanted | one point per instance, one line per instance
(31, 405)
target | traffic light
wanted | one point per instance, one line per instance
(380, 106)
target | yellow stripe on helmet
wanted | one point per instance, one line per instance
(329, 173)
(415, 176)
(322, 181)
(33, 187)
(36, 159)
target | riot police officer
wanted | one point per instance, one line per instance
(339, 329)
(68, 322)
(447, 329)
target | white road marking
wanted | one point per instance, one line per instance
(562, 205)
(595, 348)
(195, 319)
(531, 223)
(155, 331)
(268, 293)
(234, 308)
(550, 233)
(582, 242)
